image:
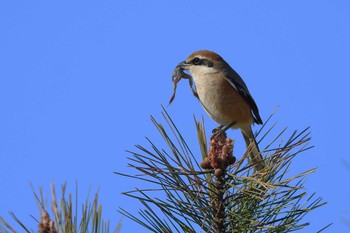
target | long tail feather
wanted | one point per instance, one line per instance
(255, 157)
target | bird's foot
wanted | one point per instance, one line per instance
(217, 129)
(222, 128)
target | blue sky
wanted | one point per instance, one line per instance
(79, 80)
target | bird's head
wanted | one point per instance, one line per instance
(203, 62)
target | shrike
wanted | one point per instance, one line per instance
(224, 96)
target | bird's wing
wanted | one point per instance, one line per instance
(237, 82)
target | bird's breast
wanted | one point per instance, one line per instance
(221, 100)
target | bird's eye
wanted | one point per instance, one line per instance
(196, 61)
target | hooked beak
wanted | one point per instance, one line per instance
(179, 73)
(183, 65)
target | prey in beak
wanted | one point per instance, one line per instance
(179, 74)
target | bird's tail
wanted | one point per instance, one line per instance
(255, 157)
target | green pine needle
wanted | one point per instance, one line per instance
(183, 195)
(65, 215)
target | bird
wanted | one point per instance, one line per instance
(225, 97)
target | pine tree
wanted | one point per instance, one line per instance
(65, 215)
(220, 194)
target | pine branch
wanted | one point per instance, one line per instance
(65, 215)
(214, 195)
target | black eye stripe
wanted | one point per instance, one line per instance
(196, 61)
(207, 63)
(203, 61)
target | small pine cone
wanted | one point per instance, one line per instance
(218, 172)
(206, 164)
(215, 162)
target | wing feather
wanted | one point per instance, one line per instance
(237, 82)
